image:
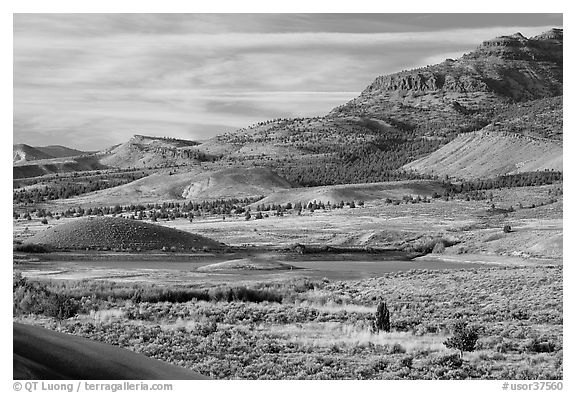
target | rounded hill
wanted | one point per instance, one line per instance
(122, 234)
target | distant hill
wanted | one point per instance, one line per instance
(26, 169)
(485, 154)
(235, 182)
(146, 151)
(195, 184)
(23, 153)
(510, 84)
(58, 151)
(354, 192)
(138, 152)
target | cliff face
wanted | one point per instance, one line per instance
(502, 69)
(427, 81)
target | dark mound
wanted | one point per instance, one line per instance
(120, 233)
(43, 354)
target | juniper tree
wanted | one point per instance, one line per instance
(382, 319)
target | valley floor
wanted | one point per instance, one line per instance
(321, 329)
(314, 321)
(465, 226)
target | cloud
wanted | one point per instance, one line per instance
(193, 75)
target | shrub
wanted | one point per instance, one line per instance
(507, 346)
(406, 361)
(35, 298)
(244, 294)
(31, 247)
(427, 245)
(439, 248)
(60, 306)
(207, 328)
(298, 248)
(449, 361)
(397, 348)
(464, 338)
(540, 346)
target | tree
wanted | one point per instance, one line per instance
(464, 338)
(381, 319)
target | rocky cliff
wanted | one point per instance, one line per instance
(502, 69)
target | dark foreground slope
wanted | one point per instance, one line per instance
(43, 354)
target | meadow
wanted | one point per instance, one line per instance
(321, 329)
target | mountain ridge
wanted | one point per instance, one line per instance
(509, 83)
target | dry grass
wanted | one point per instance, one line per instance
(328, 334)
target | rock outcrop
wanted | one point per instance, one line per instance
(510, 67)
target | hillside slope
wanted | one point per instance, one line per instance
(407, 115)
(40, 353)
(485, 154)
(195, 184)
(235, 183)
(539, 118)
(354, 192)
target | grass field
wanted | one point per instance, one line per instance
(321, 329)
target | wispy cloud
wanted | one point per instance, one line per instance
(101, 78)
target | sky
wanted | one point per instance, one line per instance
(89, 81)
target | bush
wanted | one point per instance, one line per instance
(449, 361)
(244, 294)
(428, 244)
(30, 247)
(439, 248)
(60, 306)
(464, 338)
(397, 348)
(35, 298)
(540, 346)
